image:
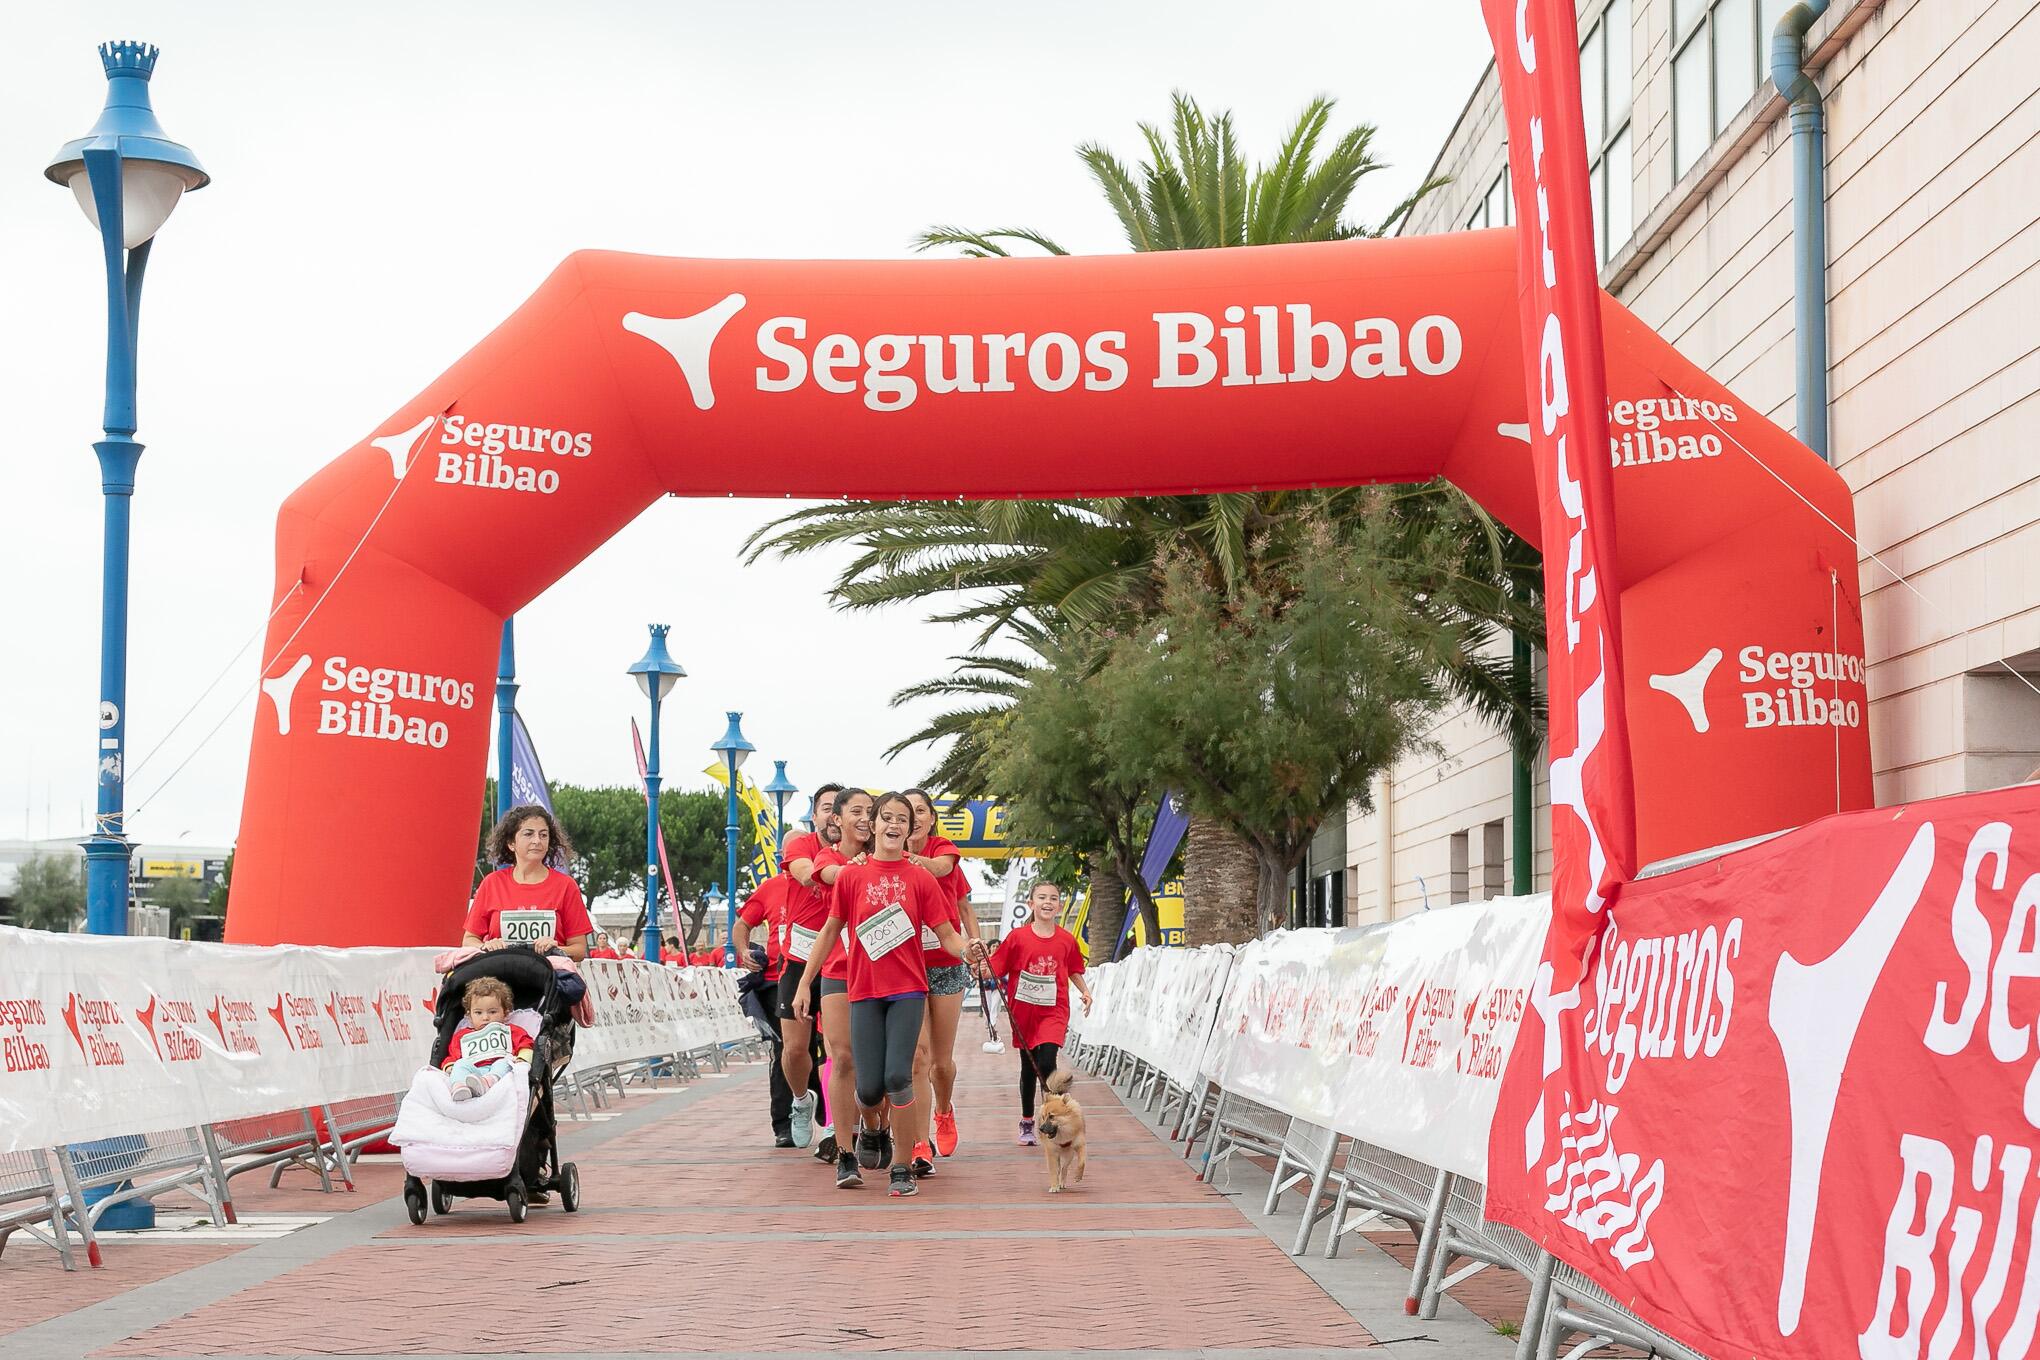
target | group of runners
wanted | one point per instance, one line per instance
(870, 948)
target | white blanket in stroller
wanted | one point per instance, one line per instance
(462, 1140)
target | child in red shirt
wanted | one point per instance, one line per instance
(486, 1042)
(1041, 961)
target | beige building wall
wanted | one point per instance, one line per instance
(1933, 212)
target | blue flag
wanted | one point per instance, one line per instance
(1172, 819)
(527, 776)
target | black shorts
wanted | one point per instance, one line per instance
(789, 986)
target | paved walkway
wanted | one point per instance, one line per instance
(695, 1233)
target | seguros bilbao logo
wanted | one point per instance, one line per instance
(1239, 346)
(375, 703)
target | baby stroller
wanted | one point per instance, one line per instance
(531, 1153)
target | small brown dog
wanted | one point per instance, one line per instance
(1062, 1131)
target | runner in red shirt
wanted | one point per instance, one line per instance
(879, 908)
(545, 907)
(825, 979)
(948, 980)
(807, 910)
(1041, 962)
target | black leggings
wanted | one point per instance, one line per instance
(1041, 1056)
(883, 1035)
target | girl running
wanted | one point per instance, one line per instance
(853, 842)
(1041, 962)
(948, 979)
(879, 909)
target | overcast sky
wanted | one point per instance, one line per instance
(392, 179)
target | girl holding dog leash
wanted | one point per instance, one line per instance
(1039, 963)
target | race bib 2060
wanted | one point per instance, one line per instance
(527, 927)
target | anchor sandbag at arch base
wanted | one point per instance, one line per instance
(628, 377)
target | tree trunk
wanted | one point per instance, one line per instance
(1101, 931)
(1272, 881)
(1220, 878)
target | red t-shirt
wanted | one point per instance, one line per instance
(883, 905)
(837, 965)
(932, 952)
(520, 1043)
(1037, 974)
(807, 907)
(603, 952)
(557, 893)
(767, 907)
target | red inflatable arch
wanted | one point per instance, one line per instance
(628, 377)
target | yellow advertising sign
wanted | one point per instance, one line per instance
(173, 868)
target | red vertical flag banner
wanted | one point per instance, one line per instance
(1593, 800)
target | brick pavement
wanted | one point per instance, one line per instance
(695, 1234)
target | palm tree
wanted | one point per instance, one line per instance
(1027, 570)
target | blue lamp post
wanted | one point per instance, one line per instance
(714, 898)
(734, 750)
(127, 175)
(506, 714)
(781, 788)
(657, 672)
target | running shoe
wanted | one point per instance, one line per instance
(902, 1183)
(872, 1152)
(945, 1132)
(848, 1177)
(803, 1121)
(1027, 1138)
(924, 1160)
(783, 1140)
(825, 1151)
(885, 1147)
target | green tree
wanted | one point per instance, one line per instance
(49, 892)
(181, 897)
(1052, 762)
(216, 900)
(1273, 709)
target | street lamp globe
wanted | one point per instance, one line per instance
(154, 171)
(657, 672)
(733, 746)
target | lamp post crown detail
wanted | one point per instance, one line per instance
(126, 57)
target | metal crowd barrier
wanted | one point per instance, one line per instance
(1455, 1239)
(29, 1201)
(279, 1141)
(136, 1166)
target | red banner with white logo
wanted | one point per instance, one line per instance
(1804, 1110)
(1593, 797)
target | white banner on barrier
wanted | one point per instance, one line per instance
(1394, 1034)
(104, 1035)
(647, 1010)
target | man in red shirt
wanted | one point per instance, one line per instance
(767, 907)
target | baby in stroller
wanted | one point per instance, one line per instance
(482, 1049)
(499, 1142)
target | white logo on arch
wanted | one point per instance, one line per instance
(689, 339)
(282, 687)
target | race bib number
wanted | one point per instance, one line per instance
(487, 1044)
(527, 927)
(884, 931)
(800, 942)
(929, 939)
(1035, 989)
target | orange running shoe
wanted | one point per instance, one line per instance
(945, 1132)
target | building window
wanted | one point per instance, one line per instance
(1494, 208)
(1717, 64)
(1491, 861)
(1605, 96)
(1460, 886)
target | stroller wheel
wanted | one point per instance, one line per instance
(442, 1200)
(570, 1187)
(414, 1199)
(513, 1197)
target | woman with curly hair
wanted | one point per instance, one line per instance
(528, 900)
